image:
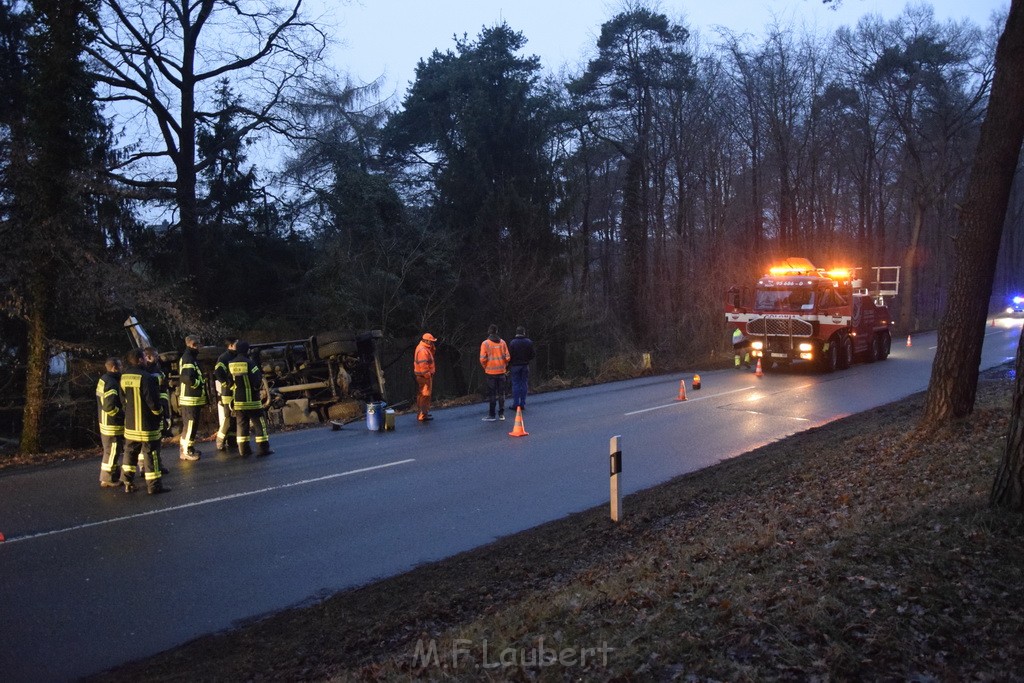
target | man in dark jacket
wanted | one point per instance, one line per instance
(111, 418)
(191, 396)
(246, 383)
(520, 351)
(143, 419)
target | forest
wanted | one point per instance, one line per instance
(606, 210)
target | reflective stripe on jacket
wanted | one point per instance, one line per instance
(423, 359)
(494, 356)
(247, 380)
(140, 398)
(108, 404)
(192, 385)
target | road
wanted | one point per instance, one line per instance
(91, 578)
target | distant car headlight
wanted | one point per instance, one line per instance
(1009, 309)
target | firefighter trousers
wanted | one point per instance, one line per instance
(113, 450)
(261, 429)
(147, 455)
(189, 425)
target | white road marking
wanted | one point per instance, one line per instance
(197, 503)
(689, 400)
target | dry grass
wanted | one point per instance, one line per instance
(858, 551)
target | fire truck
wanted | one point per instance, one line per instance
(799, 313)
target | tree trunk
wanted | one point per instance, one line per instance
(907, 286)
(1008, 488)
(36, 370)
(954, 379)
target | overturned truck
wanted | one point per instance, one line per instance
(329, 376)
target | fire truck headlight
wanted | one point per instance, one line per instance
(757, 346)
(805, 347)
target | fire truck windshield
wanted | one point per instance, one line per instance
(789, 300)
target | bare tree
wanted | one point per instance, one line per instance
(162, 60)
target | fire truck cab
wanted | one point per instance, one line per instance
(799, 313)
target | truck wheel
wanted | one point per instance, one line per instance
(325, 338)
(873, 349)
(337, 348)
(884, 346)
(845, 353)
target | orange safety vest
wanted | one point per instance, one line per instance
(494, 356)
(423, 359)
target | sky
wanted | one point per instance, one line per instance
(386, 38)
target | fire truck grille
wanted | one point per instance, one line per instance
(780, 327)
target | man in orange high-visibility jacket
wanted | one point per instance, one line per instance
(494, 359)
(423, 367)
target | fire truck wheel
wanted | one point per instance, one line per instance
(874, 349)
(845, 353)
(884, 346)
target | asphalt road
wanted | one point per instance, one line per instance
(91, 578)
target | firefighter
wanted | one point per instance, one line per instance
(423, 367)
(494, 359)
(111, 418)
(222, 382)
(143, 419)
(740, 346)
(246, 382)
(151, 362)
(191, 396)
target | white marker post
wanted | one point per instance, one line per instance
(616, 469)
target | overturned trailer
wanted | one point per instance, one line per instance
(329, 376)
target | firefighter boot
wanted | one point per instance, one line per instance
(155, 487)
(244, 449)
(221, 446)
(263, 449)
(190, 454)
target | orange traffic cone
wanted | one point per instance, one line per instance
(993, 321)
(696, 382)
(909, 344)
(758, 372)
(517, 429)
(682, 390)
(2, 539)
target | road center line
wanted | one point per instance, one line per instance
(197, 503)
(669, 405)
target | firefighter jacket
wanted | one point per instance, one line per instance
(191, 384)
(140, 397)
(221, 374)
(108, 404)
(494, 356)
(163, 388)
(423, 359)
(247, 380)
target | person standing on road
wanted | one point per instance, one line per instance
(740, 346)
(111, 417)
(494, 360)
(191, 396)
(143, 419)
(423, 367)
(521, 352)
(151, 362)
(222, 380)
(246, 383)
